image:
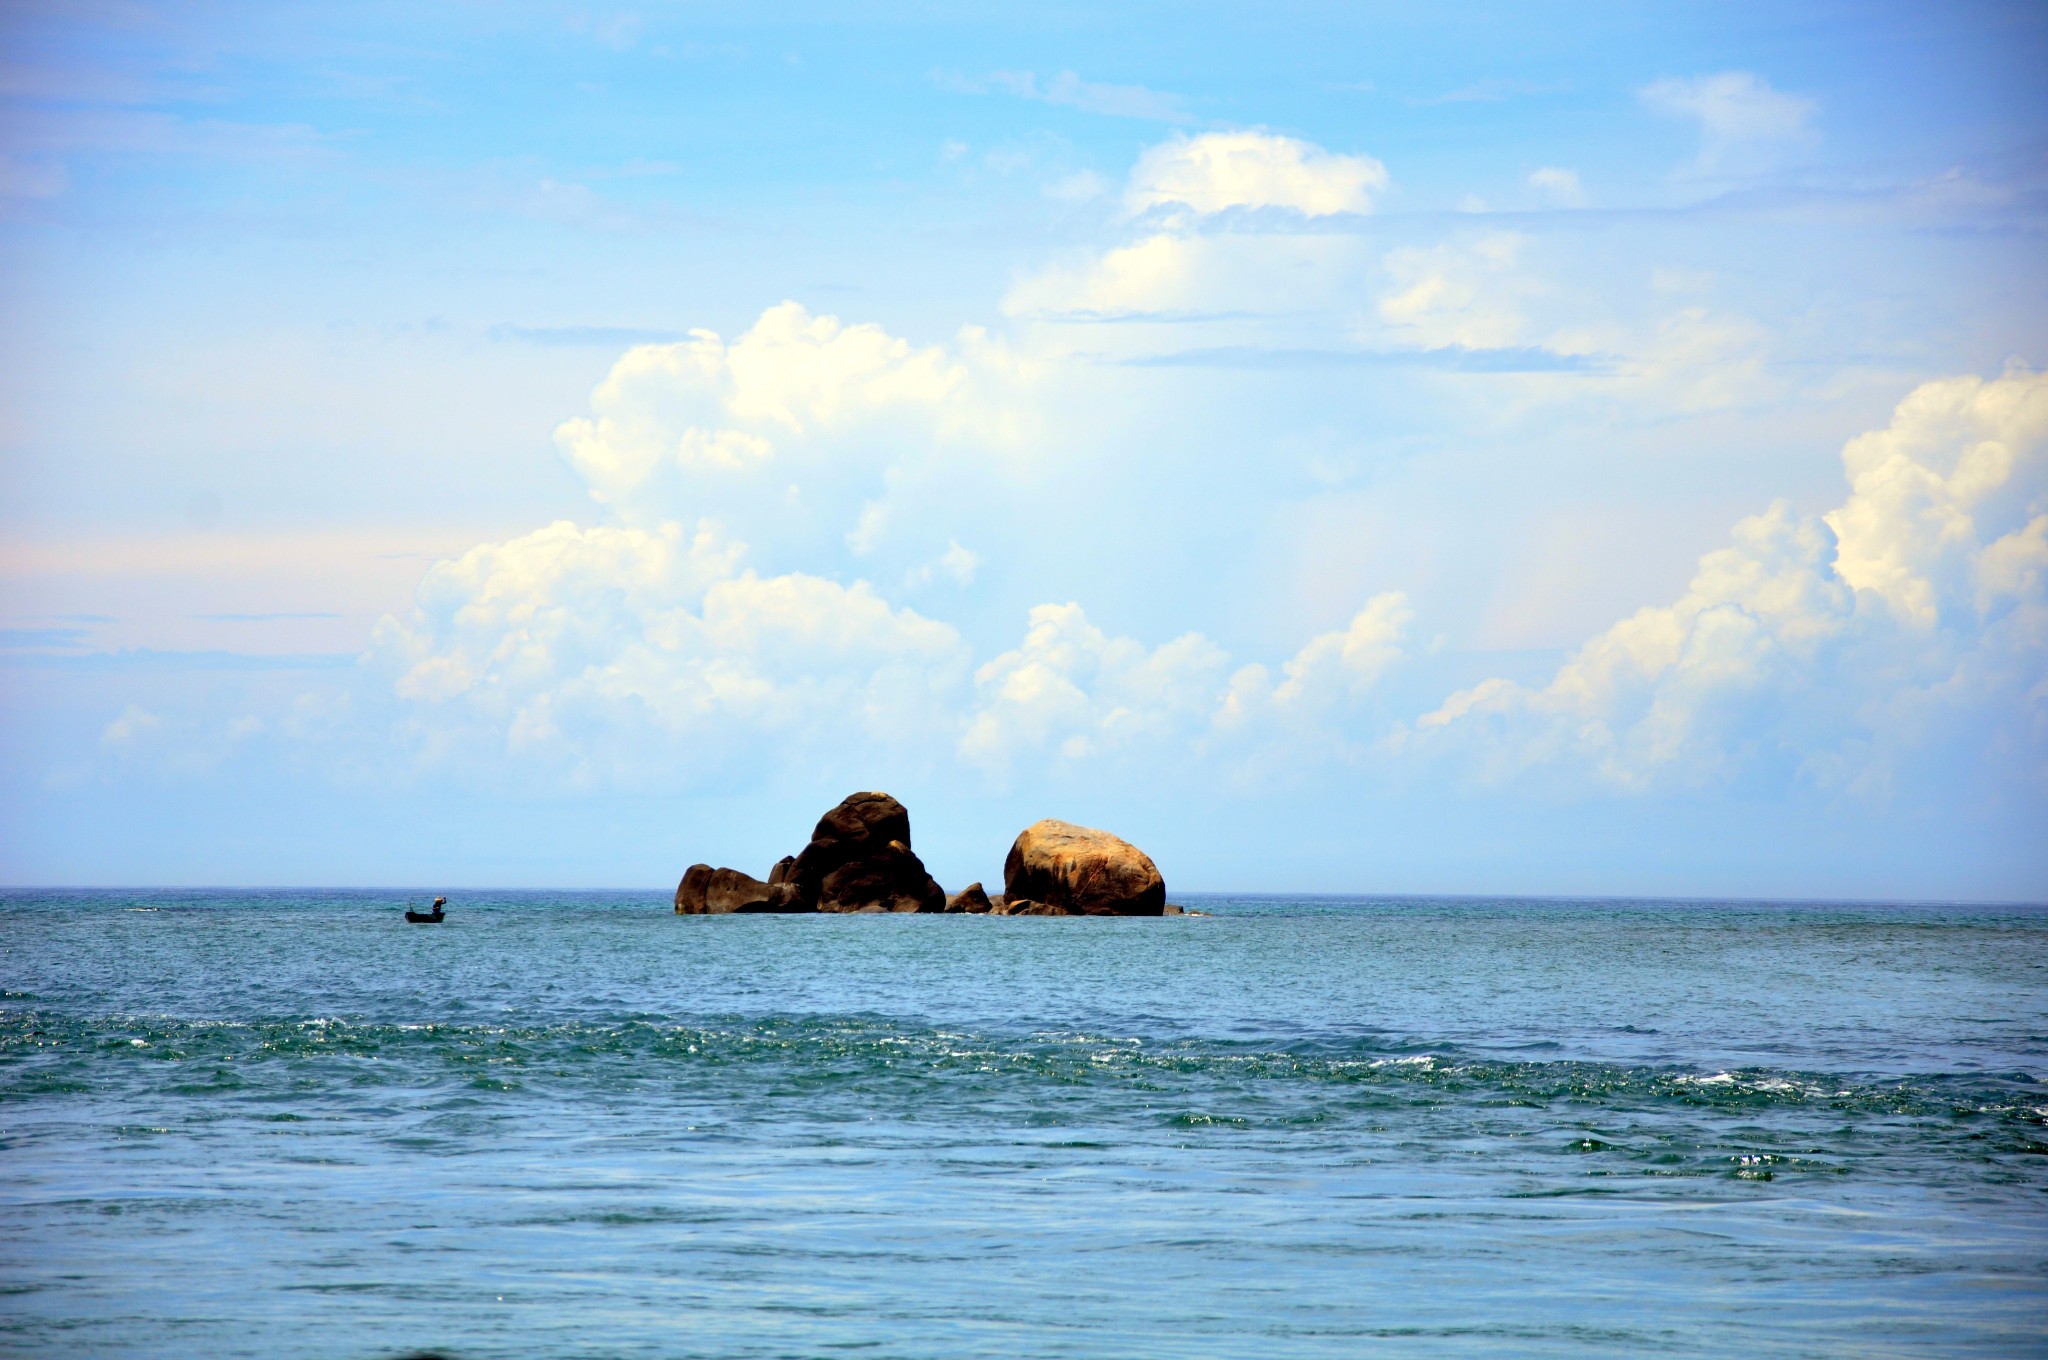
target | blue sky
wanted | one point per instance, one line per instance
(1503, 449)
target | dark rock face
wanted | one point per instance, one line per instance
(731, 890)
(1080, 871)
(706, 891)
(971, 899)
(859, 859)
(690, 892)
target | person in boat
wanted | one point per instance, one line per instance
(433, 913)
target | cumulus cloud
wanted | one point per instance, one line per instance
(1813, 642)
(597, 648)
(1744, 124)
(702, 407)
(1222, 170)
(1072, 689)
(1330, 670)
(618, 653)
(648, 643)
(1946, 512)
(1190, 259)
(1072, 692)
(1810, 642)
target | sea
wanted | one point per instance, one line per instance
(288, 1124)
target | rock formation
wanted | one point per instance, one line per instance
(970, 898)
(690, 892)
(1023, 906)
(859, 859)
(1079, 871)
(706, 891)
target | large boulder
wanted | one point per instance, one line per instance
(1080, 871)
(706, 891)
(859, 859)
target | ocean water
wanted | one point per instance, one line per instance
(287, 1124)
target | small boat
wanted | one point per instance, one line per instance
(427, 918)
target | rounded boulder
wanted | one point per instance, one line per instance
(1082, 871)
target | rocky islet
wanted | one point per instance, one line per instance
(859, 860)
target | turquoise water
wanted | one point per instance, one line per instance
(286, 1124)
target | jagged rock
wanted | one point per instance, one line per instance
(1173, 909)
(970, 898)
(860, 859)
(1080, 871)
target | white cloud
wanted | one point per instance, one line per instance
(609, 651)
(1695, 359)
(1170, 272)
(512, 618)
(1072, 690)
(867, 532)
(133, 724)
(1118, 101)
(1070, 91)
(1158, 273)
(1558, 185)
(1804, 639)
(1744, 123)
(704, 407)
(1186, 263)
(1816, 645)
(1261, 286)
(956, 564)
(1483, 292)
(614, 653)
(1221, 170)
(1331, 670)
(1465, 294)
(960, 563)
(1947, 509)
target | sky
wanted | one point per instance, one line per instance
(1539, 449)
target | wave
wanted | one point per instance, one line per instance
(828, 1069)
